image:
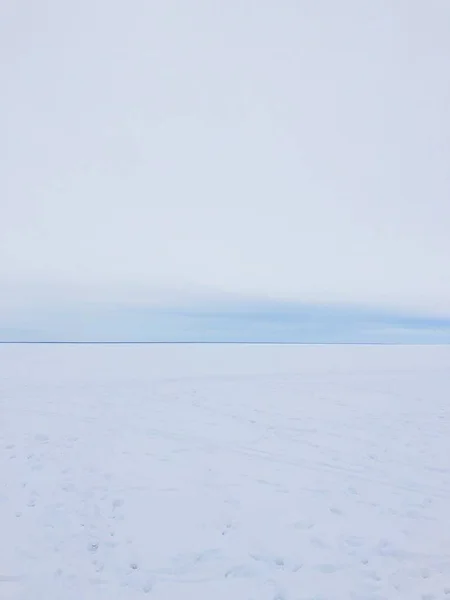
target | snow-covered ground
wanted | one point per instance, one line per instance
(224, 472)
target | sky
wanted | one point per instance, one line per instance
(211, 156)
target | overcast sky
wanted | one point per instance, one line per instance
(294, 149)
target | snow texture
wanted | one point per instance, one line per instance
(224, 472)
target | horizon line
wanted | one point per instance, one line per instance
(213, 343)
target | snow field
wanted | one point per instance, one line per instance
(224, 472)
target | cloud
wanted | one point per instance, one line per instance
(298, 150)
(222, 319)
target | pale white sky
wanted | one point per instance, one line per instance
(295, 149)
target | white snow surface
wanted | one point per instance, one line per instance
(214, 472)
